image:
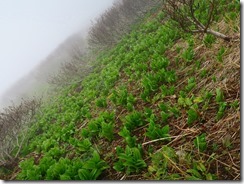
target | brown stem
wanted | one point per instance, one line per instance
(218, 34)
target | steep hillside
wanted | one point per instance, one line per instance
(161, 105)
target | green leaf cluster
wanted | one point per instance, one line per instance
(129, 161)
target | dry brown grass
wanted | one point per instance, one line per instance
(226, 164)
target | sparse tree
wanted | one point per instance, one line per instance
(117, 21)
(194, 16)
(72, 63)
(15, 122)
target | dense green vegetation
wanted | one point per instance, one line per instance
(154, 107)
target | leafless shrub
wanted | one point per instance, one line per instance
(73, 70)
(186, 15)
(15, 121)
(74, 65)
(117, 21)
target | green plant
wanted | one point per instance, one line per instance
(203, 73)
(167, 91)
(85, 133)
(130, 141)
(219, 95)
(133, 120)
(84, 145)
(92, 168)
(161, 162)
(178, 49)
(57, 169)
(198, 64)
(165, 116)
(193, 114)
(48, 144)
(155, 132)
(101, 102)
(199, 172)
(149, 84)
(198, 99)
(107, 117)
(200, 142)
(122, 97)
(235, 104)
(184, 101)
(94, 127)
(175, 111)
(85, 112)
(107, 131)
(214, 78)
(191, 84)
(220, 54)
(208, 95)
(29, 171)
(188, 54)
(56, 152)
(221, 110)
(165, 112)
(209, 40)
(131, 160)
(158, 63)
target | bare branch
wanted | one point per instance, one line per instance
(183, 12)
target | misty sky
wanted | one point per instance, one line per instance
(31, 29)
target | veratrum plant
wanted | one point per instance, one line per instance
(125, 133)
(107, 130)
(220, 113)
(57, 169)
(209, 40)
(92, 168)
(94, 127)
(199, 172)
(29, 171)
(130, 160)
(122, 97)
(191, 84)
(101, 102)
(219, 95)
(133, 120)
(155, 132)
(188, 54)
(220, 54)
(200, 142)
(184, 101)
(158, 63)
(193, 114)
(84, 145)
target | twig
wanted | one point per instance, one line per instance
(156, 140)
(123, 177)
(236, 176)
(84, 124)
(182, 172)
(176, 138)
(232, 161)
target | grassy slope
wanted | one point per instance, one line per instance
(160, 105)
